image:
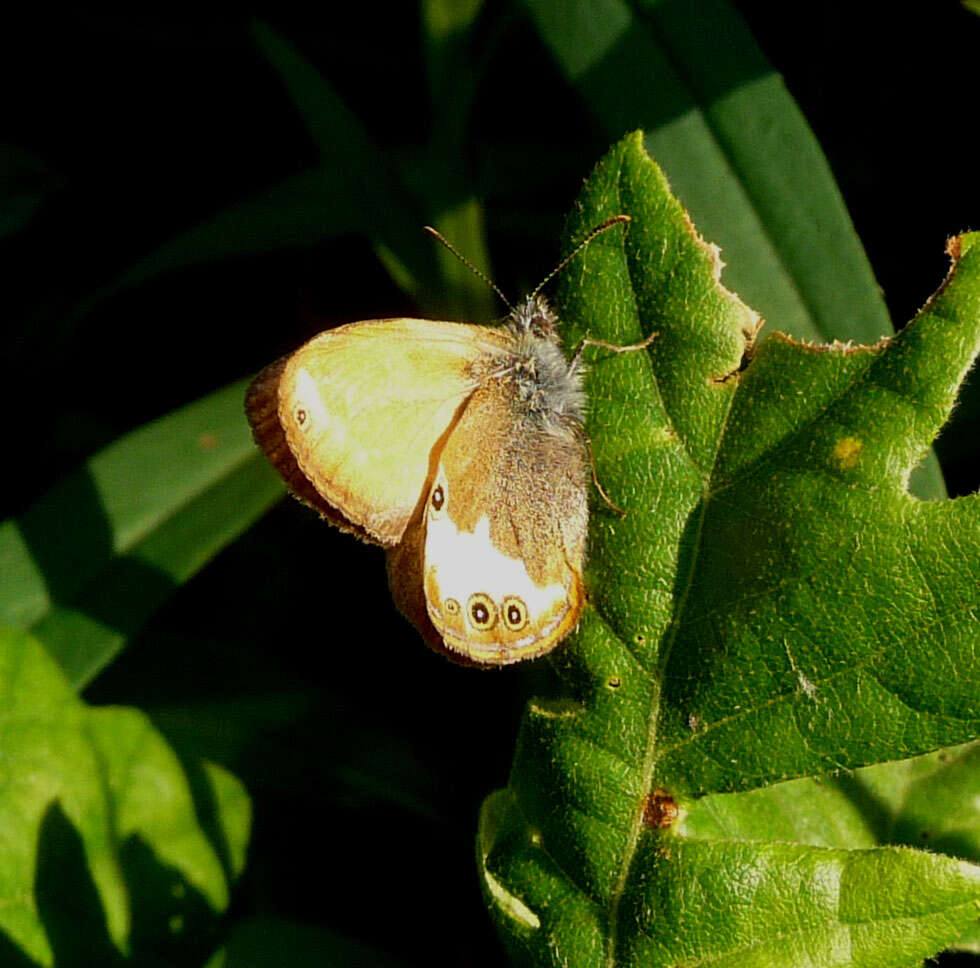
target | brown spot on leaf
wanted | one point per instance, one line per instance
(207, 441)
(659, 810)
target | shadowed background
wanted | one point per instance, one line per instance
(365, 755)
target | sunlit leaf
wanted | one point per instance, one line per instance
(96, 556)
(108, 849)
(774, 605)
(741, 157)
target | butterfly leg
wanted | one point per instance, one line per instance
(572, 367)
(612, 505)
(614, 347)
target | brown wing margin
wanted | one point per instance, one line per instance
(262, 411)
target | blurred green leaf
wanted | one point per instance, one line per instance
(274, 943)
(93, 559)
(359, 168)
(354, 190)
(740, 155)
(104, 860)
(774, 605)
(25, 182)
(969, 942)
(361, 761)
(454, 70)
(303, 209)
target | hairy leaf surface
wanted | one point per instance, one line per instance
(773, 605)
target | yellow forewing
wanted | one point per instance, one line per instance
(363, 407)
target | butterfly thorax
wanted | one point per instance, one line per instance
(544, 386)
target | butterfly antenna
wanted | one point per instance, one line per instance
(598, 230)
(469, 265)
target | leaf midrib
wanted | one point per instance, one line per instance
(651, 754)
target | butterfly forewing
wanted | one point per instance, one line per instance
(361, 410)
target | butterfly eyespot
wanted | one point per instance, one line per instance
(438, 498)
(451, 606)
(301, 417)
(515, 613)
(482, 611)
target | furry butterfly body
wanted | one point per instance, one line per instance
(460, 449)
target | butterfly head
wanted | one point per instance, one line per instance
(534, 317)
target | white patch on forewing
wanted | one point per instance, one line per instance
(466, 563)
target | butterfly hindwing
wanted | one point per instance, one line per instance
(505, 532)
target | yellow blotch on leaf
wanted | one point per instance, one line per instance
(846, 453)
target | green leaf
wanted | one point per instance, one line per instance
(262, 942)
(438, 177)
(930, 801)
(355, 754)
(103, 855)
(89, 563)
(354, 189)
(368, 184)
(969, 942)
(26, 181)
(773, 605)
(740, 155)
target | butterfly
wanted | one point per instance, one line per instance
(461, 449)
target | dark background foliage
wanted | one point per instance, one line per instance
(366, 756)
